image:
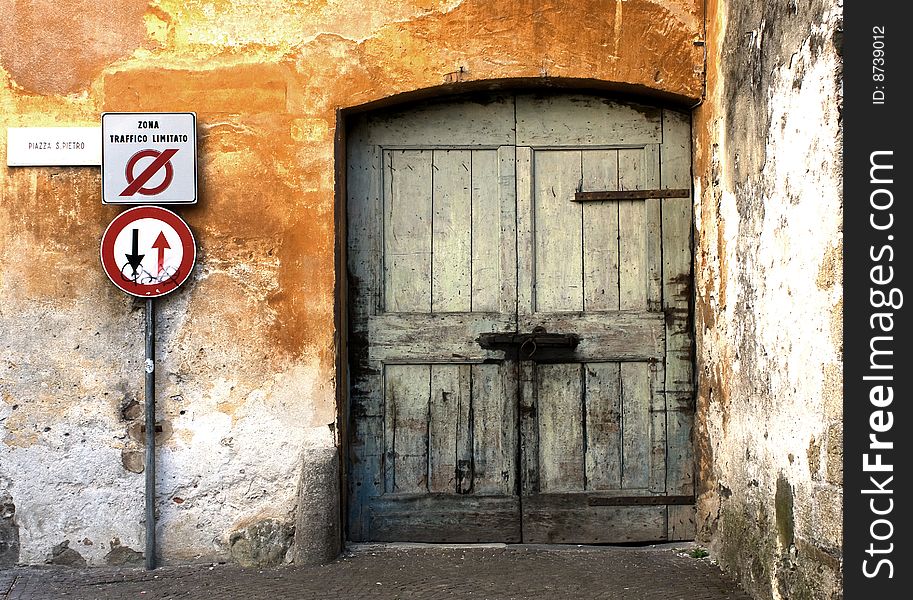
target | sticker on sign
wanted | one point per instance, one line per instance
(148, 251)
(149, 158)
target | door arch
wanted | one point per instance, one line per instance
(519, 330)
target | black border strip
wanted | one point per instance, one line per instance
(877, 267)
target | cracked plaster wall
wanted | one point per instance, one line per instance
(247, 351)
(768, 217)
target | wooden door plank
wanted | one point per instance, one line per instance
(465, 476)
(439, 518)
(653, 260)
(600, 232)
(406, 392)
(494, 430)
(433, 338)
(677, 291)
(557, 229)
(365, 410)
(559, 407)
(507, 200)
(529, 429)
(603, 426)
(578, 120)
(653, 230)
(632, 243)
(568, 519)
(636, 446)
(445, 123)
(451, 231)
(407, 231)
(449, 392)
(607, 336)
(657, 416)
(365, 223)
(524, 157)
(682, 523)
(486, 231)
(366, 478)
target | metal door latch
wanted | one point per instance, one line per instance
(527, 344)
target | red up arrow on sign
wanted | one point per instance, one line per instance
(148, 251)
(161, 244)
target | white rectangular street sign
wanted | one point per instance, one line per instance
(53, 146)
(149, 158)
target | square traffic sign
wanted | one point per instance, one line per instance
(149, 158)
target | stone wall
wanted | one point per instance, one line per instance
(247, 360)
(768, 296)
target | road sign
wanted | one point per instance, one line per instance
(53, 146)
(148, 251)
(149, 158)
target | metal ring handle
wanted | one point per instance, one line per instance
(523, 347)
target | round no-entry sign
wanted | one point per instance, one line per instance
(148, 251)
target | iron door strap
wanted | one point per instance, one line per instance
(640, 501)
(527, 344)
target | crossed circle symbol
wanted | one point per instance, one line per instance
(137, 182)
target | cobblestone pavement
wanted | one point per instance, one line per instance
(414, 572)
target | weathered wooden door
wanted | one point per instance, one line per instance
(471, 218)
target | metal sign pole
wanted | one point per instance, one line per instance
(150, 434)
(157, 244)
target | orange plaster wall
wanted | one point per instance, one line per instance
(266, 79)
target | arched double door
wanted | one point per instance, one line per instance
(520, 347)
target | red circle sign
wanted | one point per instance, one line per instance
(148, 251)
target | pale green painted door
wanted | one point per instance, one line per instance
(462, 221)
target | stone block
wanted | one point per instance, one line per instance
(62, 554)
(9, 532)
(262, 544)
(835, 453)
(318, 539)
(120, 556)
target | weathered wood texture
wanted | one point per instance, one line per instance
(525, 231)
(406, 427)
(593, 256)
(494, 418)
(569, 519)
(595, 429)
(558, 250)
(407, 230)
(366, 420)
(561, 424)
(441, 518)
(677, 291)
(444, 124)
(485, 225)
(451, 231)
(599, 170)
(433, 338)
(450, 428)
(603, 426)
(576, 120)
